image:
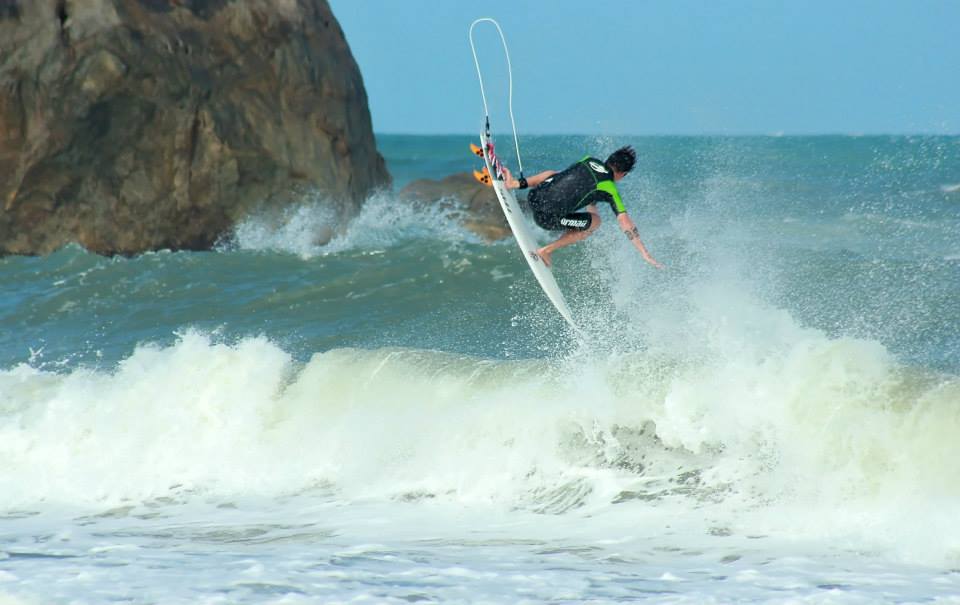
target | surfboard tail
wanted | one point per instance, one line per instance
(483, 177)
(491, 160)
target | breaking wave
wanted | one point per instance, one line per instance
(806, 428)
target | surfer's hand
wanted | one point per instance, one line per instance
(653, 262)
(508, 179)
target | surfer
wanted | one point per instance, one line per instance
(567, 200)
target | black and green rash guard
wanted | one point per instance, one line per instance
(589, 181)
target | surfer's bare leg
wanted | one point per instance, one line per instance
(570, 237)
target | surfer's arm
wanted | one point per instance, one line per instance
(532, 181)
(630, 230)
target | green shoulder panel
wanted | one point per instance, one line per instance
(611, 188)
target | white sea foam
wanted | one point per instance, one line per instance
(312, 228)
(298, 230)
(818, 438)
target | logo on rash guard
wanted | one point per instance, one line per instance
(598, 167)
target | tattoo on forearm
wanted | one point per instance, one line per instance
(632, 233)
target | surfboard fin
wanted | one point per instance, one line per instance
(483, 177)
(476, 150)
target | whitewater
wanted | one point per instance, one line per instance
(397, 414)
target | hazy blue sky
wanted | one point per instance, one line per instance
(666, 66)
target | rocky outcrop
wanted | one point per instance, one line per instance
(481, 210)
(131, 125)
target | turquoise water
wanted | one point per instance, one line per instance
(854, 236)
(399, 414)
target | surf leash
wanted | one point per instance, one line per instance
(498, 167)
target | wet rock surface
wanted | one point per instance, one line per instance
(134, 125)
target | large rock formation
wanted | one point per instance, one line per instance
(130, 125)
(482, 213)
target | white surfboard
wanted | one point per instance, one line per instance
(522, 233)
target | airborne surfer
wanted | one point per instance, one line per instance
(560, 200)
(567, 200)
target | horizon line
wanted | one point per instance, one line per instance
(771, 135)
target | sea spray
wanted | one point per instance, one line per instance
(385, 220)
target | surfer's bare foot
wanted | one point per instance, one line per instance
(544, 255)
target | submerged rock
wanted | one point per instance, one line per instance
(481, 210)
(132, 125)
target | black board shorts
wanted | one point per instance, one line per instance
(545, 214)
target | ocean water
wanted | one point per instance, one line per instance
(399, 416)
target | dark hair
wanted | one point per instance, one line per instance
(623, 159)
